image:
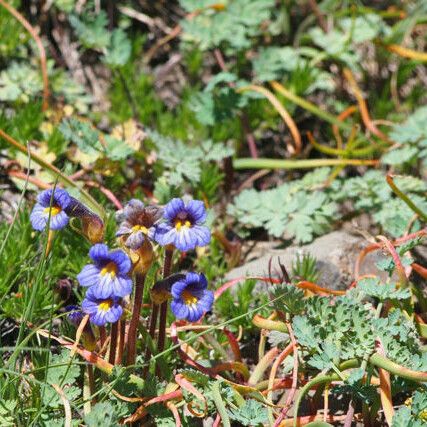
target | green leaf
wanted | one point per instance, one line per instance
(304, 332)
(82, 134)
(252, 413)
(119, 50)
(20, 82)
(412, 135)
(234, 26)
(62, 370)
(102, 415)
(117, 149)
(183, 162)
(272, 62)
(289, 298)
(301, 213)
(403, 418)
(92, 30)
(373, 287)
(363, 28)
(7, 413)
(325, 359)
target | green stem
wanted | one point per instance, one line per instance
(263, 163)
(309, 106)
(382, 362)
(219, 403)
(87, 393)
(270, 325)
(321, 379)
(405, 198)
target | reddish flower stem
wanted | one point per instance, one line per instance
(108, 193)
(113, 343)
(151, 331)
(102, 336)
(167, 266)
(121, 344)
(133, 326)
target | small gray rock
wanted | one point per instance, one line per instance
(336, 254)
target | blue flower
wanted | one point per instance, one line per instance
(101, 310)
(75, 314)
(183, 227)
(138, 223)
(191, 298)
(108, 275)
(53, 203)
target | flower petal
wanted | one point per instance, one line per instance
(122, 261)
(135, 240)
(124, 228)
(202, 235)
(99, 318)
(197, 211)
(185, 240)
(165, 234)
(178, 287)
(89, 275)
(38, 220)
(122, 286)
(173, 208)
(114, 313)
(89, 306)
(62, 198)
(179, 309)
(206, 301)
(59, 221)
(99, 252)
(194, 313)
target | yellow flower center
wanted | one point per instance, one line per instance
(141, 228)
(54, 210)
(110, 268)
(188, 298)
(179, 224)
(106, 305)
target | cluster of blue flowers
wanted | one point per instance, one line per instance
(108, 277)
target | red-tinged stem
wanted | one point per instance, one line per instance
(102, 336)
(422, 271)
(151, 331)
(167, 266)
(162, 326)
(398, 263)
(107, 193)
(294, 377)
(133, 326)
(113, 343)
(121, 345)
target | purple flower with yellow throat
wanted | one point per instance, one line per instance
(108, 276)
(191, 298)
(183, 227)
(51, 207)
(138, 223)
(101, 310)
